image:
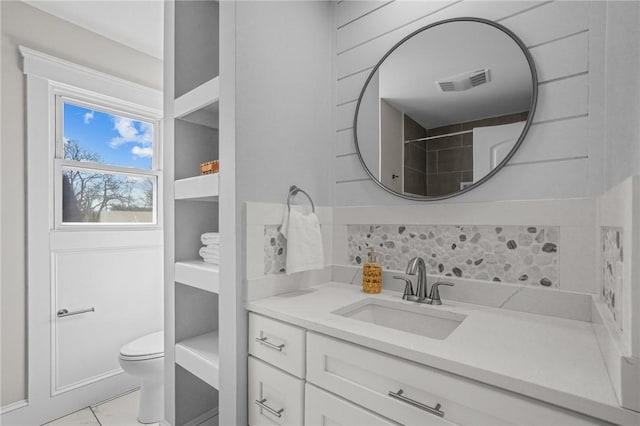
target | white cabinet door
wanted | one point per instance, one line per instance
(275, 397)
(324, 409)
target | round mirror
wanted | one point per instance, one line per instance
(445, 108)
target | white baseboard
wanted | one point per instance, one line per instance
(203, 417)
(13, 406)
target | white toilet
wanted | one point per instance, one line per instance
(144, 357)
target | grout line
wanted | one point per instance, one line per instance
(524, 11)
(554, 120)
(362, 16)
(566, 77)
(95, 415)
(399, 27)
(352, 180)
(354, 73)
(347, 102)
(533, 46)
(552, 160)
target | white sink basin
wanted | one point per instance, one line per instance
(423, 320)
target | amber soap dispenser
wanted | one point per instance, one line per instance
(371, 274)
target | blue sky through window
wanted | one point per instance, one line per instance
(117, 140)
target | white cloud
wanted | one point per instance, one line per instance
(142, 152)
(128, 133)
(88, 116)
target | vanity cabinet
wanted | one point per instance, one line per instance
(348, 384)
(278, 343)
(322, 408)
(275, 396)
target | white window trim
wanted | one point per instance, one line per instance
(87, 87)
(109, 105)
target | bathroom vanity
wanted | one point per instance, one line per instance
(335, 355)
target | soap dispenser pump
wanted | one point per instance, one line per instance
(371, 274)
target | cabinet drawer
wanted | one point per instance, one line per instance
(275, 397)
(278, 343)
(368, 378)
(322, 409)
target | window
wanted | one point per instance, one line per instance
(106, 165)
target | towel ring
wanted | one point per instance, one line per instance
(293, 191)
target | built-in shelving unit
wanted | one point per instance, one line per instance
(192, 94)
(198, 274)
(199, 356)
(200, 105)
(203, 188)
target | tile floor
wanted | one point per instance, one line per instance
(121, 411)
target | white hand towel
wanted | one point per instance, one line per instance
(209, 251)
(213, 260)
(210, 238)
(304, 242)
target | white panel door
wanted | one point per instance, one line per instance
(124, 287)
(491, 144)
(391, 147)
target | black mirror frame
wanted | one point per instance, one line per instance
(532, 108)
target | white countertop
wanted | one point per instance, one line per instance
(551, 359)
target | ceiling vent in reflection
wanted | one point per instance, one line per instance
(464, 81)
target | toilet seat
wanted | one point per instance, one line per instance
(147, 347)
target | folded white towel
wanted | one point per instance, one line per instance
(209, 251)
(212, 260)
(210, 238)
(304, 241)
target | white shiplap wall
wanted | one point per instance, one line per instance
(561, 156)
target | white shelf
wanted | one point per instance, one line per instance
(199, 274)
(200, 105)
(203, 188)
(199, 356)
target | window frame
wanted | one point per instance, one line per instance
(109, 105)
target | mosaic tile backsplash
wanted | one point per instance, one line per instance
(513, 254)
(275, 250)
(612, 270)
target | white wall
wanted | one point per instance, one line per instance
(25, 25)
(283, 100)
(622, 148)
(562, 155)
(280, 78)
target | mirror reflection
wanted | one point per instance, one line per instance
(444, 109)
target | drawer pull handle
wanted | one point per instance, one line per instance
(433, 410)
(263, 340)
(261, 403)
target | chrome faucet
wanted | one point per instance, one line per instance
(417, 266)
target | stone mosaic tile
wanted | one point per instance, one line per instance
(612, 271)
(513, 254)
(275, 250)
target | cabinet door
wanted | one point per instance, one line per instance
(275, 397)
(324, 409)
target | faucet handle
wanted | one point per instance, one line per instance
(408, 287)
(435, 292)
